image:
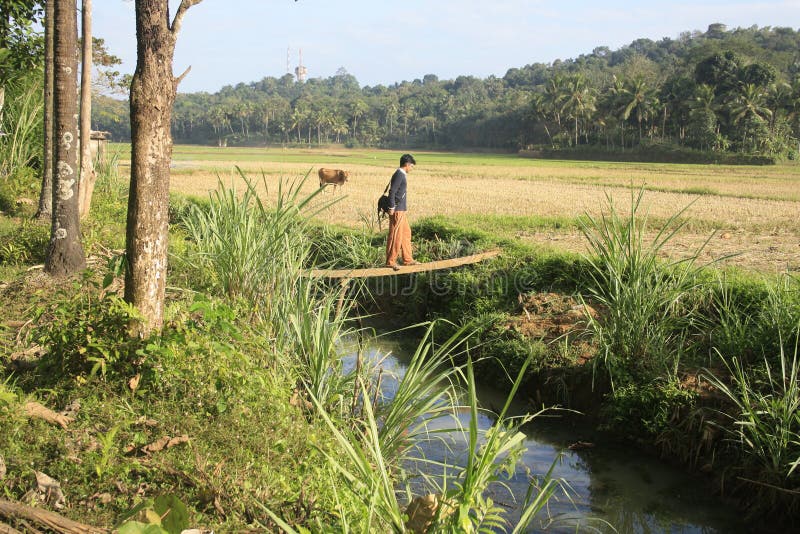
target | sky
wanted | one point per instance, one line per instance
(381, 42)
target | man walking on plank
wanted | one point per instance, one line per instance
(398, 242)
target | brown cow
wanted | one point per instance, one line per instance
(332, 176)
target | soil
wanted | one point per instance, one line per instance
(554, 318)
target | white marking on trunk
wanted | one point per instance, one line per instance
(61, 233)
(66, 140)
(65, 191)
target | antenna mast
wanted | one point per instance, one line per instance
(301, 71)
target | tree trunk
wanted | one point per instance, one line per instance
(153, 92)
(88, 176)
(45, 210)
(65, 253)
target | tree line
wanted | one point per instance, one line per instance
(719, 90)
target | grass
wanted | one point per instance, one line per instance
(648, 305)
(764, 426)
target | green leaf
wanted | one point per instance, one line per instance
(135, 527)
(174, 515)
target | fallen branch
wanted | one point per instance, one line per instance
(34, 409)
(8, 529)
(45, 518)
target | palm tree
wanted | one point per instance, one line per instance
(338, 126)
(554, 95)
(579, 101)
(638, 98)
(65, 254)
(750, 108)
(46, 196)
(703, 123)
(297, 119)
(88, 175)
(357, 110)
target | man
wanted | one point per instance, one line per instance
(399, 240)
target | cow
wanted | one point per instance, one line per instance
(332, 176)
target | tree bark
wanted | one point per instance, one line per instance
(88, 176)
(153, 92)
(65, 253)
(45, 210)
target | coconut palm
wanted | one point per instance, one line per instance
(639, 100)
(579, 101)
(749, 108)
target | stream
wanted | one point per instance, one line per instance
(608, 485)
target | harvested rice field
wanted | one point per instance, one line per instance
(749, 215)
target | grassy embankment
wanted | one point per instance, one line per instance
(658, 325)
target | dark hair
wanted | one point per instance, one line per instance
(407, 158)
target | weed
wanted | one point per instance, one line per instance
(25, 244)
(765, 426)
(648, 305)
(86, 334)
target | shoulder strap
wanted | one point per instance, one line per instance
(387, 187)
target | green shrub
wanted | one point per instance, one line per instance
(85, 334)
(647, 410)
(747, 319)
(764, 426)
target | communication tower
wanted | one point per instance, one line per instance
(300, 71)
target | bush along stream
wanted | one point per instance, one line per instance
(695, 364)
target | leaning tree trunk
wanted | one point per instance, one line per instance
(152, 97)
(65, 253)
(88, 176)
(45, 210)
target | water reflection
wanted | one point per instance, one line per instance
(606, 484)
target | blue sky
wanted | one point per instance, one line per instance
(380, 42)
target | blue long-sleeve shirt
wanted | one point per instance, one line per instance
(397, 191)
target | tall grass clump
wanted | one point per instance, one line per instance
(749, 321)
(764, 425)
(21, 125)
(314, 324)
(339, 248)
(254, 252)
(491, 458)
(646, 302)
(244, 247)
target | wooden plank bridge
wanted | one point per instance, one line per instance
(372, 272)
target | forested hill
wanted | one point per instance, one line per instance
(719, 90)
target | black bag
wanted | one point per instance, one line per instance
(383, 202)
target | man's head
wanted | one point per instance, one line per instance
(407, 161)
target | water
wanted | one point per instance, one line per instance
(608, 484)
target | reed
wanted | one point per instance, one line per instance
(369, 467)
(764, 416)
(20, 125)
(246, 247)
(646, 302)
